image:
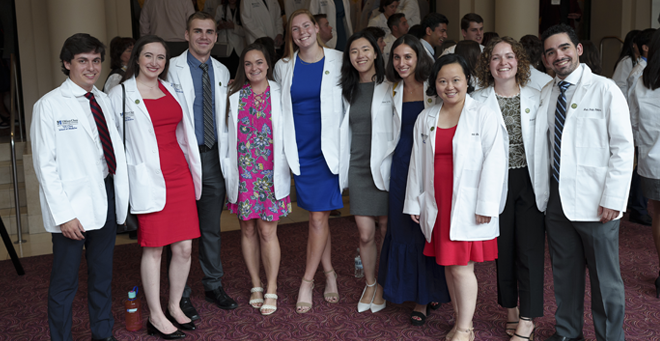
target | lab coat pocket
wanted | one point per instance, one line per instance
(592, 180)
(140, 185)
(78, 193)
(592, 132)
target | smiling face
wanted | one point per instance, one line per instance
(362, 56)
(561, 54)
(390, 9)
(255, 66)
(404, 60)
(201, 37)
(152, 60)
(451, 84)
(474, 32)
(84, 69)
(503, 62)
(325, 30)
(303, 31)
(437, 36)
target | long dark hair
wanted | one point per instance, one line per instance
(117, 47)
(134, 69)
(424, 62)
(350, 77)
(447, 59)
(628, 50)
(241, 78)
(651, 75)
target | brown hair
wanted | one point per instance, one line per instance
(200, 16)
(483, 64)
(134, 69)
(241, 78)
(289, 46)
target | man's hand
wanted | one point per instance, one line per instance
(415, 218)
(72, 229)
(482, 219)
(607, 214)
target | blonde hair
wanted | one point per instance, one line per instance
(289, 46)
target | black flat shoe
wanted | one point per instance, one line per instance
(186, 326)
(422, 317)
(152, 330)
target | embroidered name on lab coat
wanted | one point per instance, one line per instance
(177, 88)
(64, 125)
(130, 116)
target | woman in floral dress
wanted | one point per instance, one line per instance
(257, 169)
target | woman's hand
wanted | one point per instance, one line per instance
(415, 218)
(481, 219)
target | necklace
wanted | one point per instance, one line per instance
(150, 87)
(314, 60)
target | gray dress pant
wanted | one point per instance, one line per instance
(575, 246)
(209, 208)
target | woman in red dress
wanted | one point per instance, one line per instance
(456, 184)
(164, 178)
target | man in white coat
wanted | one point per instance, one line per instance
(472, 28)
(345, 28)
(398, 25)
(435, 32)
(83, 186)
(583, 168)
(200, 82)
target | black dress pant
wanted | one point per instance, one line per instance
(521, 248)
(99, 248)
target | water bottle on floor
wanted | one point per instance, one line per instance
(132, 311)
(359, 269)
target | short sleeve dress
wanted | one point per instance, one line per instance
(256, 190)
(178, 220)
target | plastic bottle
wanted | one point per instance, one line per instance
(359, 269)
(133, 311)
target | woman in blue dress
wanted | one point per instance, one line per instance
(405, 273)
(312, 108)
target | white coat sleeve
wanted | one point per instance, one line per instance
(495, 165)
(43, 132)
(251, 24)
(621, 73)
(622, 150)
(411, 9)
(634, 114)
(277, 17)
(144, 19)
(415, 183)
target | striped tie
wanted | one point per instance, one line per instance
(560, 118)
(209, 130)
(104, 135)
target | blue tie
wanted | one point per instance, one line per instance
(560, 118)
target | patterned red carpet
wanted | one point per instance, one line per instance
(23, 300)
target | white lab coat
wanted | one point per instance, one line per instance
(332, 108)
(596, 150)
(633, 77)
(529, 106)
(410, 8)
(233, 38)
(259, 20)
(381, 22)
(644, 109)
(181, 79)
(67, 161)
(328, 8)
(381, 136)
(284, 147)
(480, 150)
(142, 154)
(291, 6)
(621, 73)
(538, 79)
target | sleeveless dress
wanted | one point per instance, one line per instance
(256, 191)
(404, 272)
(446, 251)
(317, 189)
(178, 220)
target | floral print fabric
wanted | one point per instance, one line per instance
(510, 107)
(256, 195)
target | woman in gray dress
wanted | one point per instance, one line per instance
(366, 133)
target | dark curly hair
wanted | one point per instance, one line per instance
(483, 64)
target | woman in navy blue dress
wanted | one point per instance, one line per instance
(312, 105)
(405, 272)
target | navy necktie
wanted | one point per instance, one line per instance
(104, 134)
(560, 119)
(209, 129)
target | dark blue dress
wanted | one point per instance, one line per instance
(404, 272)
(317, 189)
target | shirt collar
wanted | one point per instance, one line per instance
(76, 90)
(427, 45)
(574, 77)
(644, 58)
(194, 62)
